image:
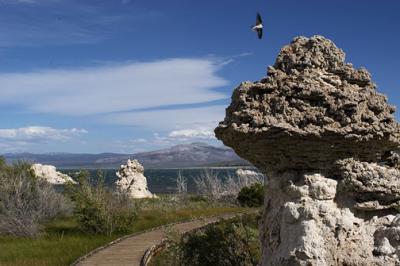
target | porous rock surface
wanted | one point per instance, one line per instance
(50, 174)
(328, 142)
(310, 110)
(131, 180)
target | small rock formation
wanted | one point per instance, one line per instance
(249, 174)
(50, 174)
(132, 182)
(329, 144)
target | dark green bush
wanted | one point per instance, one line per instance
(252, 196)
(98, 210)
(229, 243)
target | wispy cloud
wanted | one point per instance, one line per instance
(140, 140)
(39, 133)
(199, 133)
(114, 88)
(230, 59)
(60, 22)
(171, 127)
(205, 117)
(18, 1)
(160, 141)
(38, 138)
(166, 128)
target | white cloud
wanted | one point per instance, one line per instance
(172, 127)
(201, 133)
(177, 126)
(141, 140)
(165, 121)
(169, 120)
(159, 141)
(38, 133)
(114, 88)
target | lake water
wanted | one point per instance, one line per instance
(163, 180)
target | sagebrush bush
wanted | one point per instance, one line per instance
(252, 196)
(26, 202)
(215, 187)
(98, 210)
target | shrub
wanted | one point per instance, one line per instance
(209, 184)
(197, 198)
(27, 202)
(229, 243)
(252, 196)
(212, 186)
(181, 184)
(98, 210)
(232, 242)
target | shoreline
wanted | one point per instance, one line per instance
(162, 168)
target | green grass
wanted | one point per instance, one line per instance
(60, 245)
(63, 242)
(153, 218)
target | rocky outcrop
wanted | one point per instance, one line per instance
(311, 110)
(250, 175)
(371, 186)
(328, 142)
(50, 174)
(131, 180)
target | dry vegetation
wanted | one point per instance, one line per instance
(27, 202)
(40, 226)
(214, 187)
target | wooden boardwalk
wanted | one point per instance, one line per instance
(130, 250)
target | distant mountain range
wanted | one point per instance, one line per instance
(185, 155)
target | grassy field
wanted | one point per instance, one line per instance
(63, 241)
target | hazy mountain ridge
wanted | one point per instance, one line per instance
(184, 155)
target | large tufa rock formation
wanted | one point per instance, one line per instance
(50, 174)
(327, 141)
(131, 180)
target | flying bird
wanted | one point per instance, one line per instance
(258, 27)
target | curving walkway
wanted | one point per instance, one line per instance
(130, 250)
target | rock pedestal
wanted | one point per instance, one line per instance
(132, 182)
(328, 142)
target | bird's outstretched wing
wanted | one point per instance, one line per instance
(260, 33)
(258, 20)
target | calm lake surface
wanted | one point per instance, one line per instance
(163, 180)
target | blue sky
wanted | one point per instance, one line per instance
(130, 76)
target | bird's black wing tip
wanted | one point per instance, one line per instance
(260, 33)
(259, 20)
